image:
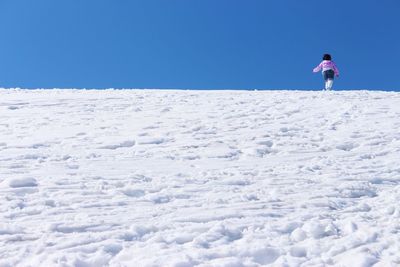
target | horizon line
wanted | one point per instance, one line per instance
(194, 89)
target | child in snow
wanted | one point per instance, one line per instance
(329, 70)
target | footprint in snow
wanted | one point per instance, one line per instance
(356, 190)
(159, 199)
(151, 141)
(347, 146)
(123, 144)
(132, 192)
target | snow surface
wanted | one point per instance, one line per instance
(199, 178)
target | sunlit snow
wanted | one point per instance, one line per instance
(199, 178)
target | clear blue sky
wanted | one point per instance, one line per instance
(198, 44)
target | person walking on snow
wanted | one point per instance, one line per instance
(329, 70)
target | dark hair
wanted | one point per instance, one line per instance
(327, 57)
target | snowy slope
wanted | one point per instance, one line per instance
(199, 178)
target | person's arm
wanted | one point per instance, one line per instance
(335, 69)
(318, 68)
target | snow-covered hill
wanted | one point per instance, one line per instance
(199, 178)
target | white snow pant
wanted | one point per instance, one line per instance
(328, 84)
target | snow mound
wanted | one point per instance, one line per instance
(20, 182)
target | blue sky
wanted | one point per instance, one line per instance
(198, 44)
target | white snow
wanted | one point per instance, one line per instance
(199, 178)
(19, 182)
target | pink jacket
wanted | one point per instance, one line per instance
(327, 65)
